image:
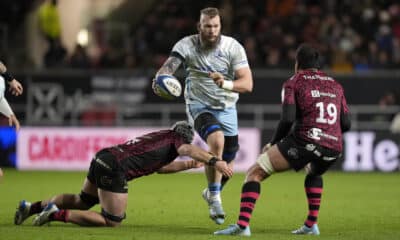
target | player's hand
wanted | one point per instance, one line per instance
(223, 168)
(266, 147)
(12, 120)
(195, 164)
(217, 77)
(16, 87)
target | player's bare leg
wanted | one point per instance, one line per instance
(212, 195)
(113, 204)
(113, 212)
(83, 201)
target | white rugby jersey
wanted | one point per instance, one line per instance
(228, 56)
(2, 87)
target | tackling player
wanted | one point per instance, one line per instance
(109, 172)
(218, 71)
(315, 106)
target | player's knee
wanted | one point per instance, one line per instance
(231, 147)
(112, 220)
(256, 173)
(88, 200)
(265, 164)
(206, 124)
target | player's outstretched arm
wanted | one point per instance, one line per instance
(168, 68)
(15, 86)
(200, 155)
(178, 166)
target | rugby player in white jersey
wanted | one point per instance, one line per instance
(217, 71)
(16, 89)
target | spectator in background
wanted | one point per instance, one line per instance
(56, 55)
(388, 99)
(49, 21)
(79, 58)
(50, 26)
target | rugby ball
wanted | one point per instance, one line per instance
(168, 86)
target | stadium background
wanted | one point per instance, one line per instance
(97, 69)
(92, 88)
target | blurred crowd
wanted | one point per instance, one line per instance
(352, 35)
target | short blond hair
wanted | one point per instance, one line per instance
(210, 12)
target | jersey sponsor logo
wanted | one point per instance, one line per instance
(310, 147)
(316, 133)
(293, 152)
(317, 93)
(208, 68)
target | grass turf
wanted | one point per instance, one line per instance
(354, 206)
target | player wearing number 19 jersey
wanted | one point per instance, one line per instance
(309, 134)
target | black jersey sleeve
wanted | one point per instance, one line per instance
(288, 117)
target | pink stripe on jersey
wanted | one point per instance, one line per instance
(250, 195)
(247, 205)
(242, 223)
(313, 190)
(245, 214)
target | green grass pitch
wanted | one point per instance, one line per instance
(354, 206)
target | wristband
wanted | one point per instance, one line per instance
(7, 76)
(212, 161)
(227, 85)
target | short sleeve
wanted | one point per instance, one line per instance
(239, 57)
(179, 49)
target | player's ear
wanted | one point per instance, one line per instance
(296, 67)
(198, 26)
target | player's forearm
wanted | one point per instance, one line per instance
(243, 85)
(175, 167)
(170, 66)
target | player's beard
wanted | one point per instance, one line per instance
(209, 44)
